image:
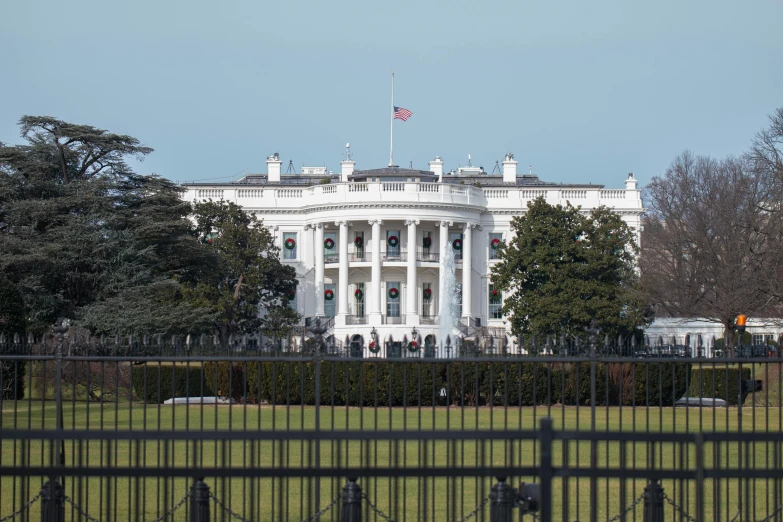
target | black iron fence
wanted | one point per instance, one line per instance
(89, 435)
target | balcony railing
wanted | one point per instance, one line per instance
(431, 257)
(360, 256)
(429, 319)
(331, 258)
(356, 319)
(389, 319)
(395, 255)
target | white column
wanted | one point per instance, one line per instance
(375, 293)
(319, 269)
(443, 234)
(342, 294)
(412, 316)
(467, 270)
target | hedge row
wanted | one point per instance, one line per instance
(419, 384)
(719, 383)
(155, 384)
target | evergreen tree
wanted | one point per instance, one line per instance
(562, 269)
(88, 239)
(12, 322)
(249, 289)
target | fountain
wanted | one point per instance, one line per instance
(449, 313)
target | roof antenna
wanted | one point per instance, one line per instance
(469, 165)
(347, 152)
(411, 165)
(531, 169)
(290, 169)
(496, 168)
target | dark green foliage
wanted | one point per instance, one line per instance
(12, 322)
(157, 383)
(90, 240)
(248, 275)
(387, 383)
(562, 269)
(719, 383)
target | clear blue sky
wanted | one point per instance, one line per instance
(582, 91)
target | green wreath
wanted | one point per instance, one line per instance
(328, 295)
(373, 347)
(413, 346)
(290, 243)
(427, 242)
(457, 244)
(359, 294)
(394, 293)
(328, 243)
(358, 242)
(393, 241)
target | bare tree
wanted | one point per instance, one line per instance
(710, 247)
(766, 156)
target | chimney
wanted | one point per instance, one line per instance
(346, 169)
(273, 167)
(630, 183)
(436, 167)
(509, 169)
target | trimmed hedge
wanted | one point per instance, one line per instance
(386, 383)
(719, 383)
(157, 383)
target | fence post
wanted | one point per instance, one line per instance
(199, 501)
(501, 501)
(352, 502)
(653, 502)
(52, 502)
(545, 435)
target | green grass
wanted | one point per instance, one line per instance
(445, 499)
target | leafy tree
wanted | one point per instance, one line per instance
(12, 322)
(562, 269)
(88, 239)
(249, 277)
(711, 247)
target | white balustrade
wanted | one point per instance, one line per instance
(288, 193)
(250, 193)
(328, 189)
(429, 187)
(496, 193)
(210, 193)
(393, 187)
(573, 194)
(612, 194)
(357, 187)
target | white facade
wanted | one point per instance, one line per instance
(411, 205)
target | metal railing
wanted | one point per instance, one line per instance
(97, 432)
(394, 319)
(356, 319)
(431, 257)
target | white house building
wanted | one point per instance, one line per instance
(368, 245)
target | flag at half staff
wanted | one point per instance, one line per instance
(401, 113)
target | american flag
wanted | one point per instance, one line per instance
(401, 113)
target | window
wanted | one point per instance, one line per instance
(427, 240)
(495, 303)
(457, 253)
(393, 251)
(427, 298)
(493, 252)
(458, 288)
(393, 303)
(359, 303)
(330, 307)
(289, 245)
(330, 255)
(762, 338)
(358, 250)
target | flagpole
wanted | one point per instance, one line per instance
(391, 126)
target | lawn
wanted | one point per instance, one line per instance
(405, 499)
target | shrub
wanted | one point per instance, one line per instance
(157, 383)
(719, 383)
